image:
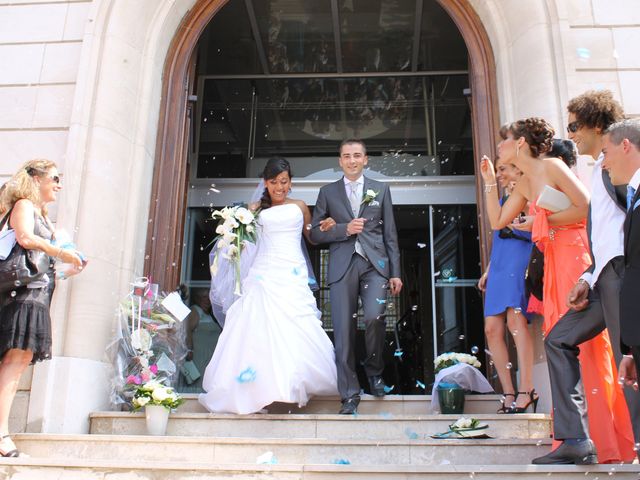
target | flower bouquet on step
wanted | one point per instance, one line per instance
(231, 255)
(457, 371)
(149, 341)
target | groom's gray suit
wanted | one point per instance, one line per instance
(351, 275)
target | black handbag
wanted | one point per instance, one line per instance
(22, 266)
(533, 275)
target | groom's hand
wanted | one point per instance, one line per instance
(395, 285)
(355, 226)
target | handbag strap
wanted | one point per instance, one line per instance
(6, 218)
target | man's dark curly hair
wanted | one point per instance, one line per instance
(596, 109)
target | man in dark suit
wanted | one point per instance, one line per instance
(364, 262)
(622, 160)
(594, 300)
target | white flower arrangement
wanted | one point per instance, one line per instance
(237, 225)
(369, 196)
(449, 359)
(155, 393)
(463, 422)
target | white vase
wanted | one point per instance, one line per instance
(157, 417)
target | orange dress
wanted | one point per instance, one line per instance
(566, 257)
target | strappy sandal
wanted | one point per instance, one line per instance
(12, 453)
(504, 408)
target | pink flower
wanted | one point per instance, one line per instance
(145, 376)
(133, 379)
(154, 368)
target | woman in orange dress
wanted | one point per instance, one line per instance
(562, 238)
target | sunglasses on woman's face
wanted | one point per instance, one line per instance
(573, 127)
(56, 179)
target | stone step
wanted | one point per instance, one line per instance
(220, 450)
(80, 469)
(393, 404)
(383, 426)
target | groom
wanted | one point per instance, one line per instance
(364, 261)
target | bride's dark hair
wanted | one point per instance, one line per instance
(274, 167)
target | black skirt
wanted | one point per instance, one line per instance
(25, 321)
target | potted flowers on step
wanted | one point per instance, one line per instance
(158, 400)
(456, 373)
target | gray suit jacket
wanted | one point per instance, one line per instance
(379, 239)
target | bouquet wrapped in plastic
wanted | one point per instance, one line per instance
(149, 341)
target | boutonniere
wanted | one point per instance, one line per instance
(369, 196)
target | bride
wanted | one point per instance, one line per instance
(273, 347)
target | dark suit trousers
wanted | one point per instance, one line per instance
(362, 280)
(562, 347)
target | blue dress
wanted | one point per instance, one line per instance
(505, 283)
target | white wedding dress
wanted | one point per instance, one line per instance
(272, 347)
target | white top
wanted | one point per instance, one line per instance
(607, 225)
(347, 186)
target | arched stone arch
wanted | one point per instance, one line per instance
(169, 190)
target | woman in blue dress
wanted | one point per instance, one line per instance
(505, 299)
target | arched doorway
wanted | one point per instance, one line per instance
(390, 94)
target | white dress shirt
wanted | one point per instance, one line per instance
(607, 225)
(635, 180)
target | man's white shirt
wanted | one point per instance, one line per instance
(607, 225)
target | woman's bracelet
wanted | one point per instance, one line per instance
(489, 187)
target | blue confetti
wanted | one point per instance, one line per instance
(386, 415)
(341, 461)
(381, 301)
(381, 263)
(296, 271)
(246, 376)
(311, 281)
(398, 353)
(451, 279)
(388, 389)
(420, 384)
(411, 435)
(583, 53)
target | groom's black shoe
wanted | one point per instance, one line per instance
(378, 388)
(581, 452)
(350, 405)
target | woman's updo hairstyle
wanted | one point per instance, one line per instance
(274, 167)
(537, 132)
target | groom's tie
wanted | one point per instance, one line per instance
(354, 199)
(631, 192)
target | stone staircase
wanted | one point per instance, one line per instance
(390, 438)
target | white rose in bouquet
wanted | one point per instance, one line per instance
(244, 215)
(139, 402)
(160, 394)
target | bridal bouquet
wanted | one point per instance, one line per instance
(237, 225)
(449, 359)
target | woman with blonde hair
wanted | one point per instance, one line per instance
(25, 322)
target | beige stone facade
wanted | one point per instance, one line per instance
(80, 83)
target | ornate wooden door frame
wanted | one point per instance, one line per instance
(165, 235)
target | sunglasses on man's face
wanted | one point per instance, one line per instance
(573, 127)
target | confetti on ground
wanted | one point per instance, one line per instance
(411, 435)
(341, 461)
(388, 389)
(246, 376)
(267, 458)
